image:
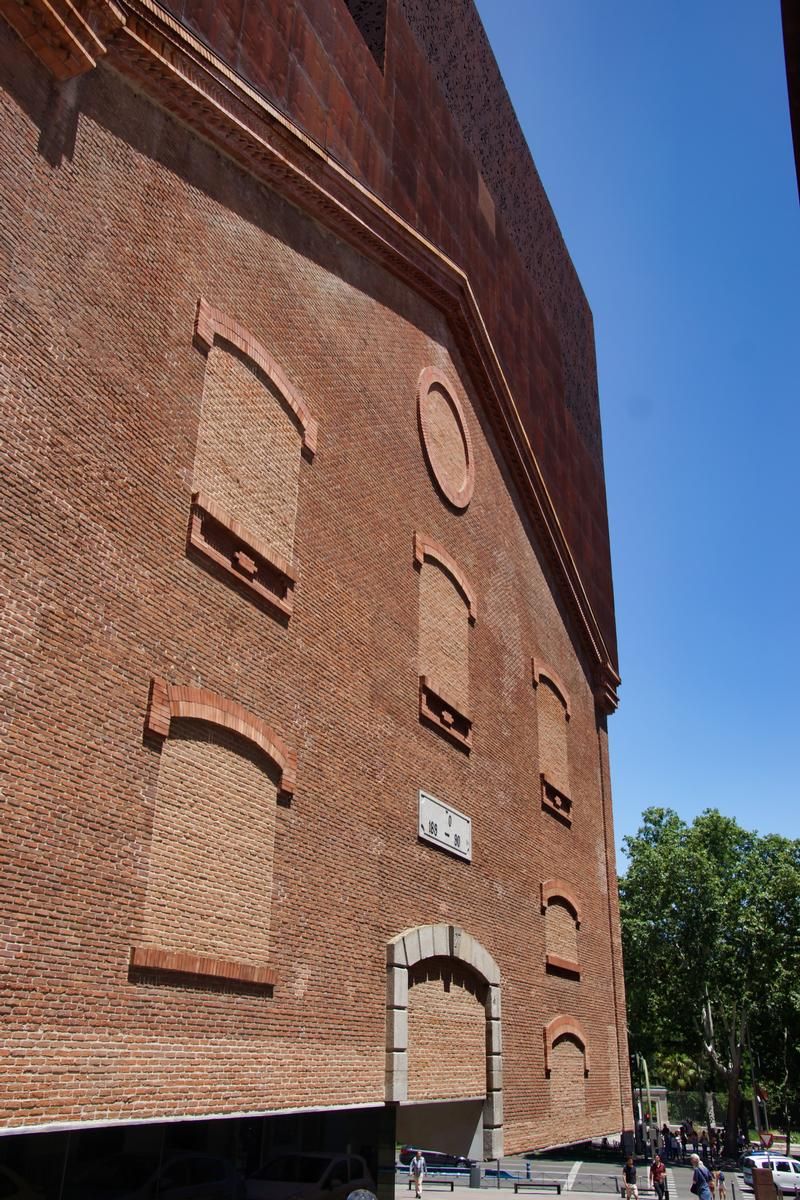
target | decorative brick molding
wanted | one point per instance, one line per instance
(444, 941)
(218, 536)
(540, 671)
(560, 1027)
(68, 36)
(559, 889)
(556, 801)
(168, 62)
(425, 547)
(168, 701)
(211, 323)
(439, 711)
(562, 966)
(152, 958)
(458, 495)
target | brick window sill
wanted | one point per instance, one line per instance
(562, 966)
(153, 958)
(219, 537)
(436, 710)
(556, 802)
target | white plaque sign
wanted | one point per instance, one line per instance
(445, 826)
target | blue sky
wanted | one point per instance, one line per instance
(661, 133)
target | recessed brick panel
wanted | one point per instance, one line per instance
(567, 1083)
(445, 438)
(446, 1032)
(553, 729)
(444, 634)
(560, 934)
(209, 887)
(248, 449)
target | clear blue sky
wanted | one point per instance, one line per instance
(661, 133)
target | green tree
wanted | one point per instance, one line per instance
(708, 909)
(678, 1072)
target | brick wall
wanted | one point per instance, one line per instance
(446, 1032)
(415, 108)
(99, 420)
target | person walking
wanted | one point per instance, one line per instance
(417, 1172)
(722, 1191)
(701, 1179)
(629, 1179)
(658, 1177)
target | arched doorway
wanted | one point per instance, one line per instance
(444, 1063)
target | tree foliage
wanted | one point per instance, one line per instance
(710, 921)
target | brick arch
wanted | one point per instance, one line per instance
(408, 949)
(425, 547)
(168, 700)
(539, 671)
(211, 323)
(559, 889)
(560, 1027)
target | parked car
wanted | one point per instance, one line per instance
(309, 1177)
(437, 1160)
(785, 1172)
(178, 1177)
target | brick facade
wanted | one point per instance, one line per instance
(229, 566)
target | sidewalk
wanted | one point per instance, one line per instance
(679, 1179)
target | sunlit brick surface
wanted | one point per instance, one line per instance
(209, 876)
(446, 1032)
(561, 934)
(248, 450)
(444, 634)
(567, 1083)
(115, 218)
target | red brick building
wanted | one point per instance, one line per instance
(308, 629)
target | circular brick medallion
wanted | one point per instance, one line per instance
(445, 437)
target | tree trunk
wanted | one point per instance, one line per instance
(731, 1122)
(711, 1116)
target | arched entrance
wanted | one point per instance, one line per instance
(444, 1035)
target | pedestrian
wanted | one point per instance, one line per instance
(417, 1170)
(722, 1191)
(701, 1179)
(629, 1179)
(658, 1177)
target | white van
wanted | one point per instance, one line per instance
(785, 1172)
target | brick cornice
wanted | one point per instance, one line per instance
(211, 323)
(67, 36)
(189, 80)
(563, 1026)
(426, 547)
(168, 701)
